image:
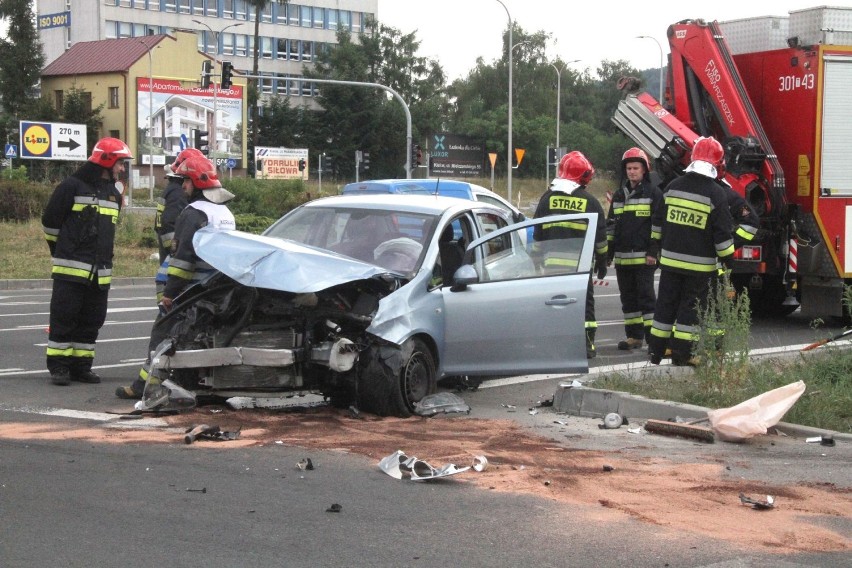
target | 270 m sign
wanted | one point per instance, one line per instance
(53, 141)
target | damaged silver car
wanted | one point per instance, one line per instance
(369, 300)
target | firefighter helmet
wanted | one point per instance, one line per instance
(636, 155)
(574, 166)
(707, 149)
(108, 151)
(201, 171)
(184, 154)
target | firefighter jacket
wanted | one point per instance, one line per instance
(79, 225)
(169, 206)
(184, 265)
(629, 222)
(559, 201)
(743, 215)
(693, 227)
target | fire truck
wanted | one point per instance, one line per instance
(777, 93)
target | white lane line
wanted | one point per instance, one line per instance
(44, 325)
(111, 419)
(124, 363)
(35, 303)
(106, 340)
(109, 311)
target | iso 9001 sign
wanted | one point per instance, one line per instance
(53, 141)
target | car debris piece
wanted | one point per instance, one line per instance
(827, 440)
(510, 407)
(202, 490)
(441, 403)
(636, 430)
(533, 411)
(193, 432)
(335, 508)
(305, 464)
(608, 468)
(761, 505)
(480, 463)
(612, 421)
(166, 396)
(680, 429)
(283, 402)
(398, 464)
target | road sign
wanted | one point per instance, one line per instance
(232, 163)
(53, 141)
(11, 151)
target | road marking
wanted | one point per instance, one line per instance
(109, 311)
(106, 340)
(128, 363)
(44, 325)
(114, 419)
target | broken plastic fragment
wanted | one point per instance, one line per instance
(768, 504)
(335, 508)
(480, 463)
(305, 464)
(441, 403)
(391, 464)
(398, 463)
(444, 471)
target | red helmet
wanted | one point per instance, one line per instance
(574, 166)
(184, 154)
(108, 151)
(708, 149)
(636, 155)
(201, 171)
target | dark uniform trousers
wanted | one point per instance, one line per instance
(77, 312)
(677, 301)
(636, 287)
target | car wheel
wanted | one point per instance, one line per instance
(392, 381)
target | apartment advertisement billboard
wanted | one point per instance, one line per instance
(175, 111)
(456, 156)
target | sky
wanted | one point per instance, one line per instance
(456, 32)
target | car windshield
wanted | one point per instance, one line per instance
(391, 239)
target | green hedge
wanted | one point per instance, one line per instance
(21, 200)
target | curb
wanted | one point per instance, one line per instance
(597, 403)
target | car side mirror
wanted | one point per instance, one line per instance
(519, 217)
(465, 275)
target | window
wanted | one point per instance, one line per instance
(184, 6)
(59, 100)
(171, 6)
(228, 9)
(332, 19)
(228, 44)
(198, 7)
(241, 9)
(110, 31)
(307, 89)
(113, 97)
(241, 45)
(87, 101)
(212, 9)
(307, 50)
(125, 30)
(357, 19)
(266, 85)
(266, 15)
(319, 18)
(345, 20)
(295, 50)
(266, 47)
(307, 18)
(115, 134)
(281, 86)
(281, 51)
(293, 14)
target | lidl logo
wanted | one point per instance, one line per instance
(36, 140)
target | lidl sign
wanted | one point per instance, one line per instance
(53, 141)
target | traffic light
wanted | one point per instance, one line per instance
(201, 141)
(417, 155)
(206, 73)
(227, 73)
(364, 164)
(302, 164)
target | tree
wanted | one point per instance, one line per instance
(20, 64)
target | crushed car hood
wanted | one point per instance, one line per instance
(277, 264)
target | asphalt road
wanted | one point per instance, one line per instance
(71, 503)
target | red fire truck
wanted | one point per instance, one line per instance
(784, 116)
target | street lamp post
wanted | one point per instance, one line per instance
(559, 94)
(509, 149)
(150, 119)
(214, 139)
(661, 101)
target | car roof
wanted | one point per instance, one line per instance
(411, 203)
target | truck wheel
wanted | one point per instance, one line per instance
(768, 302)
(393, 380)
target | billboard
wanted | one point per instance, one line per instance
(176, 111)
(456, 156)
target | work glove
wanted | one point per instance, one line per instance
(600, 266)
(601, 273)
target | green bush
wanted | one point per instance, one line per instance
(266, 198)
(21, 200)
(252, 223)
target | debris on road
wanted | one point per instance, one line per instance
(305, 464)
(611, 421)
(205, 432)
(480, 463)
(335, 508)
(826, 440)
(441, 403)
(398, 465)
(685, 429)
(754, 416)
(760, 505)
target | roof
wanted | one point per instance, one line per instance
(103, 56)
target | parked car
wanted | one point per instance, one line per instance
(370, 299)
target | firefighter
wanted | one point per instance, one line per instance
(79, 225)
(206, 208)
(169, 206)
(690, 233)
(743, 215)
(629, 234)
(568, 194)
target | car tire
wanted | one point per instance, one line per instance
(392, 381)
